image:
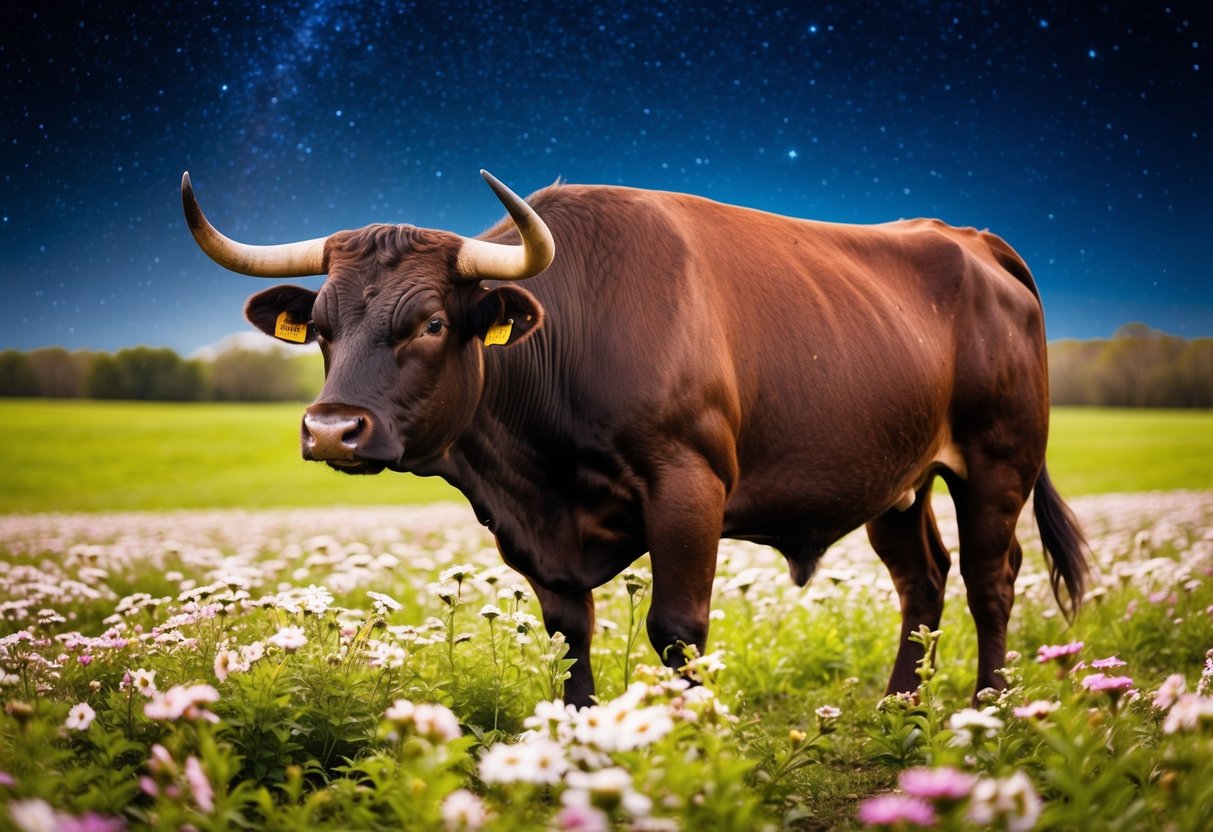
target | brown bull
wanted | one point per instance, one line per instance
(676, 371)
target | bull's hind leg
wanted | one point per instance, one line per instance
(909, 544)
(988, 505)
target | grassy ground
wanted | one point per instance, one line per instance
(117, 456)
(112, 456)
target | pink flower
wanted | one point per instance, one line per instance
(1169, 691)
(289, 639)
(943, 783)
(182, 701)
(1048, 652)
(200, 786)
(889, 809)
(1188, 713)
(1105, 664)
(581, 819)
(1099, 683)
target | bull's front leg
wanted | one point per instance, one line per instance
(572, 615)
(684, 521)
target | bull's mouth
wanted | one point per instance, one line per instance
(356, 466)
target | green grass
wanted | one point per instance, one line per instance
(69, 455)
(1111, 451)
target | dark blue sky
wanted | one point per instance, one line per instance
(1078, 131)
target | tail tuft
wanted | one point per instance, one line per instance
(1065, 547)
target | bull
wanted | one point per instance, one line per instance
(610, 371)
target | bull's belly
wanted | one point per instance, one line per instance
(803, 507)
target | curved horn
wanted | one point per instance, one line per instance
(479, 259)
(285, 260)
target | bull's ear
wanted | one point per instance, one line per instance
(506, 316)
(284, 312)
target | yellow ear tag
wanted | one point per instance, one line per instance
(288, 330)
(498, 333)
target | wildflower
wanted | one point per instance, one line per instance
(143, 681)
(890, 809)
(936, 784)
(1169, 691)
(289, 639)
(1048, 653)
(1010, 803)
(315, 600)
(796, 738)
(463, 810)
(182, 701)
(1038, 709)
(549, 716)
(80, 717)
(518, 592)
(970, 725)
(607, 789)
(581, 819)
(827, 715)
(384, 603)
(251, 653)
(540, 761)
(445, 594)
(458, 574)
(1099, 683)
(33, 815)
(200, 785)
(384, 654)
(435, 723)
(229, 661)
(1188, 713)
(635, 580)
(490, 611)
(1109, 662)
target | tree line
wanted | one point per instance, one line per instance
(1136, 367)
(159, 374)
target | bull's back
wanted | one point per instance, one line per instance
(816, 364)
(848, 347)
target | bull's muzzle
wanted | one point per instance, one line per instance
(335, 433)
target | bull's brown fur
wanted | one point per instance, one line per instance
(701, 371)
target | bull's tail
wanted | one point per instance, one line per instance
(1062, 540)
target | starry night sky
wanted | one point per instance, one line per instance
(1078, 131)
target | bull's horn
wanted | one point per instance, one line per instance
(479, 259)
(285, 260)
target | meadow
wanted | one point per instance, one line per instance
(264, 650)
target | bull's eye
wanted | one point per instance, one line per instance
(434, 326)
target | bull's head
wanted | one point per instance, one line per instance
(402, 320)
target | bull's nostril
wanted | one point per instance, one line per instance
(356, 429)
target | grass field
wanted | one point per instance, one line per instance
(323, 668)
(65, 455)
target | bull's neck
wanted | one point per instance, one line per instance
(498, 460)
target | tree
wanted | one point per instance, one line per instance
(256, 375)
(16, 376)
(146, 373)
(60, 373)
